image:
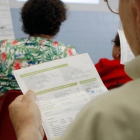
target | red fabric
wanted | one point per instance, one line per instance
(112, 73)
(6, 128)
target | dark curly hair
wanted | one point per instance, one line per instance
(116, 40)
(43, 16)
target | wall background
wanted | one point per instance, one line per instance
(89, 28)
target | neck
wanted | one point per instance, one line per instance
(42, 35)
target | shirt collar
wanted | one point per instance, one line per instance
(132, 68)
(37, 38)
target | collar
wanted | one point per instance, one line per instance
(38, 38)
(132, 68)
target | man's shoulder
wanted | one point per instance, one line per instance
(125, 99)
(113, 115)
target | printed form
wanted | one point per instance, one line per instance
(61, 113)
(62, 87)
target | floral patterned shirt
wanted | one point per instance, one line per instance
(21, 53)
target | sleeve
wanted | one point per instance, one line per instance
(105, 118)
(70, 51)
(102, 66)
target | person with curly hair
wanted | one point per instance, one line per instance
(41, 21)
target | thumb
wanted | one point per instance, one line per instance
(29, 96)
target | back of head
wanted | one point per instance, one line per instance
(116, 53)
(116, 40)
(43, 16)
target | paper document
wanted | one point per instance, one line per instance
(126, 53)
(62, 87)
(61, 113)
(61, 77)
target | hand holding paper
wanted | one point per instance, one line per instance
(26, 117)
(63, 87)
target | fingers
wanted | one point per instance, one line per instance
(29, 96)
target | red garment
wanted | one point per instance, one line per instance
(6, 128)
(112, 73)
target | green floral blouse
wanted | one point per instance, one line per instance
(25, 52)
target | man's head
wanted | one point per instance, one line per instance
(129, 11)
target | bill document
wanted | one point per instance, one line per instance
(63, 87)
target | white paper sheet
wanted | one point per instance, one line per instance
(62, 113)
(62, 87)
(126, 53)
(61, 77)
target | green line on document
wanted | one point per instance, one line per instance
(43, 70)
(56, 88)
(88, 80)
